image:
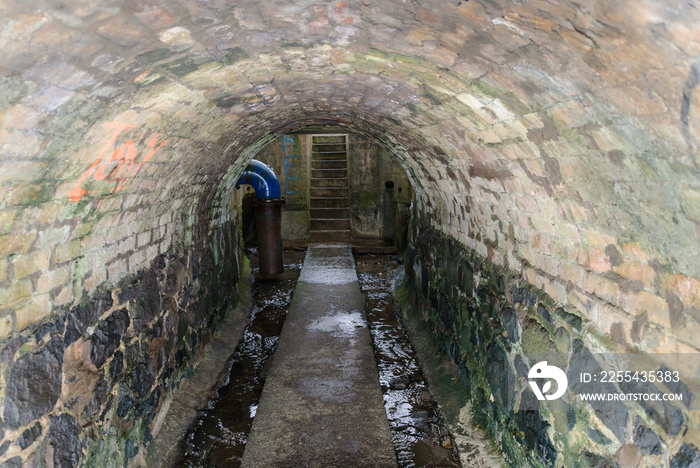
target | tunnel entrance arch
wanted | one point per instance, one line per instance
(339, 184)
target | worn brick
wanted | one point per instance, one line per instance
(143, 238)
(15, 292)
(137, 260)
(598, 260)
(7, 217)
(18, 142)
(656, 308)
(542, 224)
(33, 262)
(527, 204)
(63, 296)
(152, 252)
(596, 239)
(20, 117)
(617, 324)
(32, 311)
(53, 236)
(635, 271)
(688, 288)
(604, 288)
(635, 251)
(127, 244)
(573, 273)
(52, 279)
(539, 240)
(69, 251)
(116, 269)
(6, 326)
(556, 290)
(570, 114)
(16, 243)
(165, 219)
(583, 303)
(97, 277)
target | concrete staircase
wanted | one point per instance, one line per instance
(330, 215)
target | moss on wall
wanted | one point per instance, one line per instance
(494, 328)
(376, 183)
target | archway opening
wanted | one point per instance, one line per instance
(338, 186)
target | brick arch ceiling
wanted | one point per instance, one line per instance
(556, 139)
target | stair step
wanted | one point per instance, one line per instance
(330, 164)
(329, 150)
(317, 192)
(326, 213)
(329, 156)
(325, 236)
(329, 202)
(330, 224)
(329, 173)
(323, 139)
(329, 182)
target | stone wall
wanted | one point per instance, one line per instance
(494, 327)
(376, 184)
(555, 140)
(89, 384)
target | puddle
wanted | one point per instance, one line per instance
(418, 431)
(219, 436)
(339, 325)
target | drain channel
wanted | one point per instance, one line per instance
(419, 433)
(219, 436)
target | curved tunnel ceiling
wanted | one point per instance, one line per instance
(555, 139)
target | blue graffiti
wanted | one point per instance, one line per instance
(286, 139)
(287, 165)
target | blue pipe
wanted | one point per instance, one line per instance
(262, 189)
(263, 180)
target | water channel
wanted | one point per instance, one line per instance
(218, 437)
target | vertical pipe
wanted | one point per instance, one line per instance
(268, 217)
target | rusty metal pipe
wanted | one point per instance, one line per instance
(268, 217)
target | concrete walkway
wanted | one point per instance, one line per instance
(322, 405)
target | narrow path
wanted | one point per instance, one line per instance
(322, 405)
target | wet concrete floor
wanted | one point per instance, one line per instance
(322, 404)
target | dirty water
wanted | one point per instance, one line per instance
(418, 431)
(219, 436)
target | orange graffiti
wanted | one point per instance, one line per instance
(345, 19)
(321, 17)
(125, 157)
